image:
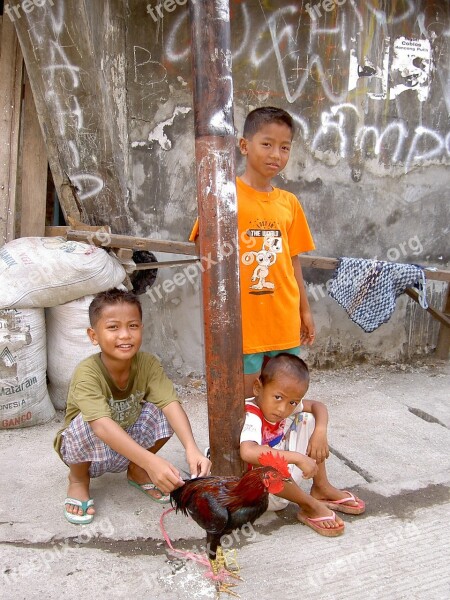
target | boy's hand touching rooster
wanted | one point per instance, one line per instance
(199, 465)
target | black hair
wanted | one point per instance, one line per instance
(108, 298)
(288, 363)
(265, 115)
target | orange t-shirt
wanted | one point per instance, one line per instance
(272, 228)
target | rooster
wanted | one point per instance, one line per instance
(222, 504)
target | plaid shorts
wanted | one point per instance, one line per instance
(80, 444)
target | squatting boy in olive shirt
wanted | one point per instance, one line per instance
(121, 410)
(94, 394)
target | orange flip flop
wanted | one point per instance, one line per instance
(341, 506)
(314, 524)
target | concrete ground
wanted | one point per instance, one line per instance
(389, 433)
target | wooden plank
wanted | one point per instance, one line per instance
(61, 230)
(323, 262)
(66, 193)
(64, 59)
(443, 345)
(56, 230)
(318, 262)
(124, 253)
(165, 263)
(135, 243)
(436, 314)
(437, 275)
(188, 248)
(33, 197)
(11, 74)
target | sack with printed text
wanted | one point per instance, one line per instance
(24, 400)
(42, 272)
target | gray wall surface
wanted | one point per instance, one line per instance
(369, 89)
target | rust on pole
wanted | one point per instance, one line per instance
(217, 206)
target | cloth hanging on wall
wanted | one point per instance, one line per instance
(368, 289)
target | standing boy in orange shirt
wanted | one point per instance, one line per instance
(272, 231)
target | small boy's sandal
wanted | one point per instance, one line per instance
(316, 524)
(343, 506)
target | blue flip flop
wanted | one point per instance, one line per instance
(145, 487)
(83, 519)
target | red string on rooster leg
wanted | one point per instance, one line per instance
(220, 577)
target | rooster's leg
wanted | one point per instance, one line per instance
(229, 562)
(218, 565)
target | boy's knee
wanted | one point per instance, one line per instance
(309, 422)
(159, 444)
(277, 503)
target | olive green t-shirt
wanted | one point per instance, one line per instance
(93, 393)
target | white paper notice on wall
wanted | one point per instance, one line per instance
(411, 67)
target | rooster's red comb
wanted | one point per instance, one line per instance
(276, 461)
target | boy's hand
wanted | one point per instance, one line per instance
(308, 466)
(318, 448)
(307, 329)
(163, 474)
(199, 465)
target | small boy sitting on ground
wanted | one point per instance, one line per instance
(278, 418)
(121, 410)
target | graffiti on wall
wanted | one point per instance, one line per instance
(357, 79)
(51, 40)
(366, 86)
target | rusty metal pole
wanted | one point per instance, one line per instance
(216, 194)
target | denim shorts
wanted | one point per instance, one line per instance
(254, 362)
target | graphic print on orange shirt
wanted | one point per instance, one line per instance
(267, 236)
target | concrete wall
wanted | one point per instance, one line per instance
(370, 93)
(369, 89)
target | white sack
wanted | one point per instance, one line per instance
(67, 345)
(24, 400)
(42, 272)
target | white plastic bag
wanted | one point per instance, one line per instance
(67, 345)
(24, 400)
(42, 272)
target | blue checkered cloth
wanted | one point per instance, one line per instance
(368, 289)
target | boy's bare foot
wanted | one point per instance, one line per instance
(316, 511)
(316, 515)
(330, 526)
(340, 500)
(78, 490)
